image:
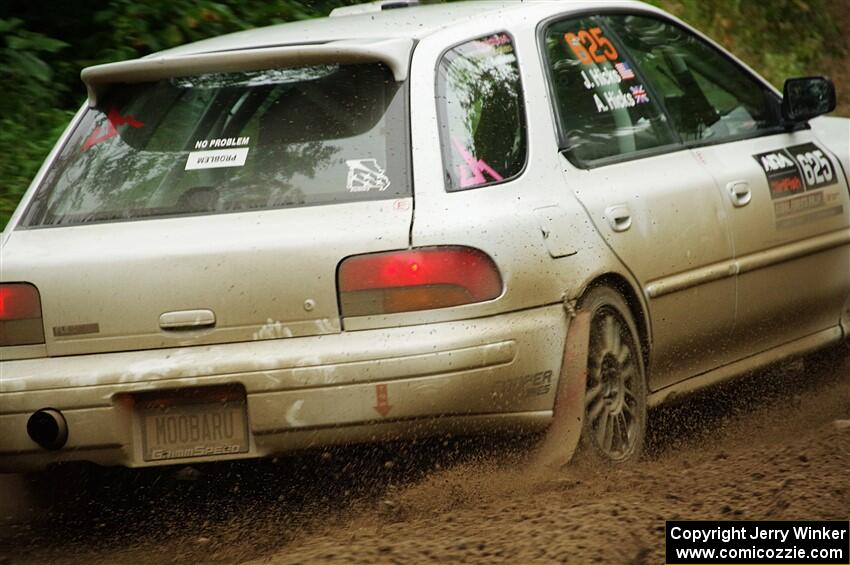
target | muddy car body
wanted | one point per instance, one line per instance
(398, 222)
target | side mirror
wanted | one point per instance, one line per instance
(806, 98)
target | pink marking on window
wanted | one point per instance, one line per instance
(110, 130)
(472, 173)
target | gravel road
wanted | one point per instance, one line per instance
(764, 447)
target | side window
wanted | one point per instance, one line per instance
(606, 111)
(708, 97)
(482, 118)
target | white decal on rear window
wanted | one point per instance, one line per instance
(216, 159)
(222, 142)
(365, 175)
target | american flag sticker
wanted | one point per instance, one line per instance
(625, 71)
(639, 94)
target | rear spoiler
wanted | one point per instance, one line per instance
(395, 53)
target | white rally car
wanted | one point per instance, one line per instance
(408, 220)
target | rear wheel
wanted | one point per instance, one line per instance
(615, 419)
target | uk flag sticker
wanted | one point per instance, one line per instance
(639, 94)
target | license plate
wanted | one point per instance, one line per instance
(181, 426)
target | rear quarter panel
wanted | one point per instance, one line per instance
(503, 220)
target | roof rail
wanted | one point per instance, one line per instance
(372, 7)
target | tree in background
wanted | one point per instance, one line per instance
(32, 111)
(43, 48)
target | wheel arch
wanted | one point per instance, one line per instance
(637, 307)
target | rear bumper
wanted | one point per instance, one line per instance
(453, 377)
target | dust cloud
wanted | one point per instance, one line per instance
(763, 447)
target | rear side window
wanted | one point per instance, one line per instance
(606, 110)
(481, 112)
(231, 142)
(708, 97)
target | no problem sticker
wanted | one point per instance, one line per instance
(216, 159)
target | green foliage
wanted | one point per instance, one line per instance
(43, 47)
(24, 145)
(40, 69)
(31, 117)
(133, 28)
(780, 38)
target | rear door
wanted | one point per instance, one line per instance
(783, 191)
(215, 208)
(653, 203)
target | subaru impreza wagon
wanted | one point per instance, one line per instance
(409, 220)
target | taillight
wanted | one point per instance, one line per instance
(20, 315)
(418, 279)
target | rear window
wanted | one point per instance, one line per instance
(481, 111)
(231, 142)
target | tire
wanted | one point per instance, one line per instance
(615, 418)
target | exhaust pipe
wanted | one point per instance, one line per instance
(48, 428)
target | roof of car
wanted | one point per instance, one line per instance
(413, 22)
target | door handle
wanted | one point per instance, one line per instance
(740, 193)
(187, 319)
(619, 217)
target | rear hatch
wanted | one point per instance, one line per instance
(215, 208)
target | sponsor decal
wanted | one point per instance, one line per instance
(814, 216)
(816, 167)
(783, 176)
(602, 68)
(526, 386)
(77, 329)
(365, 175)
(591, 46)
(216, 159)
(775, 161)
(795, 176)
(222, 142)
(794, 170)
(472, 171)
(197, 451)
(802, 203)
